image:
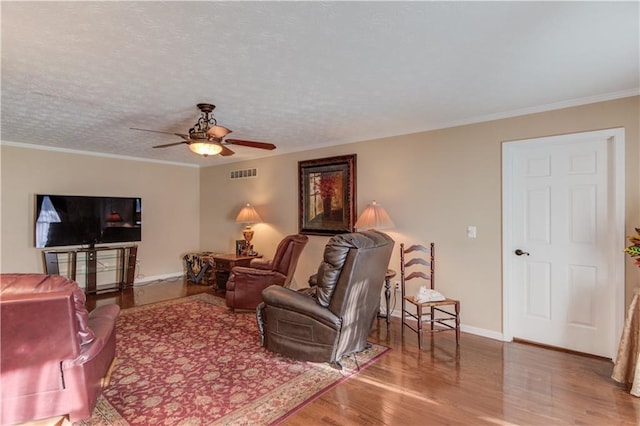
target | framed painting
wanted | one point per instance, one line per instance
(327, 197)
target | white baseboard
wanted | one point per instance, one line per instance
(495, 335)
(143, 279)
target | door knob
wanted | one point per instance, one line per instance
(519, 252)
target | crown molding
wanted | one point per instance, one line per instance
(93, 154)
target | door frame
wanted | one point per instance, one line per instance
(616, 158)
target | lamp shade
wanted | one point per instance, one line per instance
(114, 217)
(248, 215)
(205, 148)
(218, 131)
(374, 217)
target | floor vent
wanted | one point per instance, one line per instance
(243, 174)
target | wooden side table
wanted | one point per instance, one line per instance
(387, 295)
(223, 263)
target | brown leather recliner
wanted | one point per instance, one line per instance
(54, 354)
(336, 318)
(245, 285)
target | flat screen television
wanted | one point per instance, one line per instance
(68, 220)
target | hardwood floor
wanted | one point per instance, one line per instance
(144, 294)
(481, 382)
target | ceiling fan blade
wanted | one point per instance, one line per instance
(251, 144)
(226, 151)
(183, 136)
(170, 144)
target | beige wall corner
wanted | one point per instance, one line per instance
(170, 204)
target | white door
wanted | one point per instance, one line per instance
(563, 240)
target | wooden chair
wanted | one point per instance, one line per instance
(442, 315)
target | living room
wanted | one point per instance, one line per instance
(429, 189)
(434, 183)
(175, 197)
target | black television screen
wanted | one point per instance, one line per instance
(66, 220)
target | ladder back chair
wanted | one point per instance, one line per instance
(443, 315)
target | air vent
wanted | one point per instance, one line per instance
(243, 174)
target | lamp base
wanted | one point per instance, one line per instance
(249, 251)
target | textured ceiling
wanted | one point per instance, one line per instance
(78, 75)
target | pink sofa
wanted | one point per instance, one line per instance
(55, 356)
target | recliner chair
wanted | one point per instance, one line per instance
(55, 356)
(335, 318)
(245, 285)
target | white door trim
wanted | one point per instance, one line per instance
(616, 150)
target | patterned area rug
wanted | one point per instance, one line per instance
(190, 361)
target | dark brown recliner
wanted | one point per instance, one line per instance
(245, 285)
(335, 319)
(55, 357)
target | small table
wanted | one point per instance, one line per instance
(223, 263)
(198, 266)
(387, 295)
(207, 267)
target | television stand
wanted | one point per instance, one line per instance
(104, 269)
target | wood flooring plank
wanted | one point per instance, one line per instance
(480, 382)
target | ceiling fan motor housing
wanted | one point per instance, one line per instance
(194, 134)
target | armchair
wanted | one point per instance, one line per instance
(335, 319)
(245, 285)
(55, 356)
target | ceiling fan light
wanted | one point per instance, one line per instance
(205, 148)
(218, 131)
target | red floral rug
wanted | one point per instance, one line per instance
(190, 361)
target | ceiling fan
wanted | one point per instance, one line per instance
(206, 137)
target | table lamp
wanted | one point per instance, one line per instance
(248, 215)
(374, 217)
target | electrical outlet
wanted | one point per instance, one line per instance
(397, 285)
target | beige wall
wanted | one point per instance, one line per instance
(170, 203)
(433, 184)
